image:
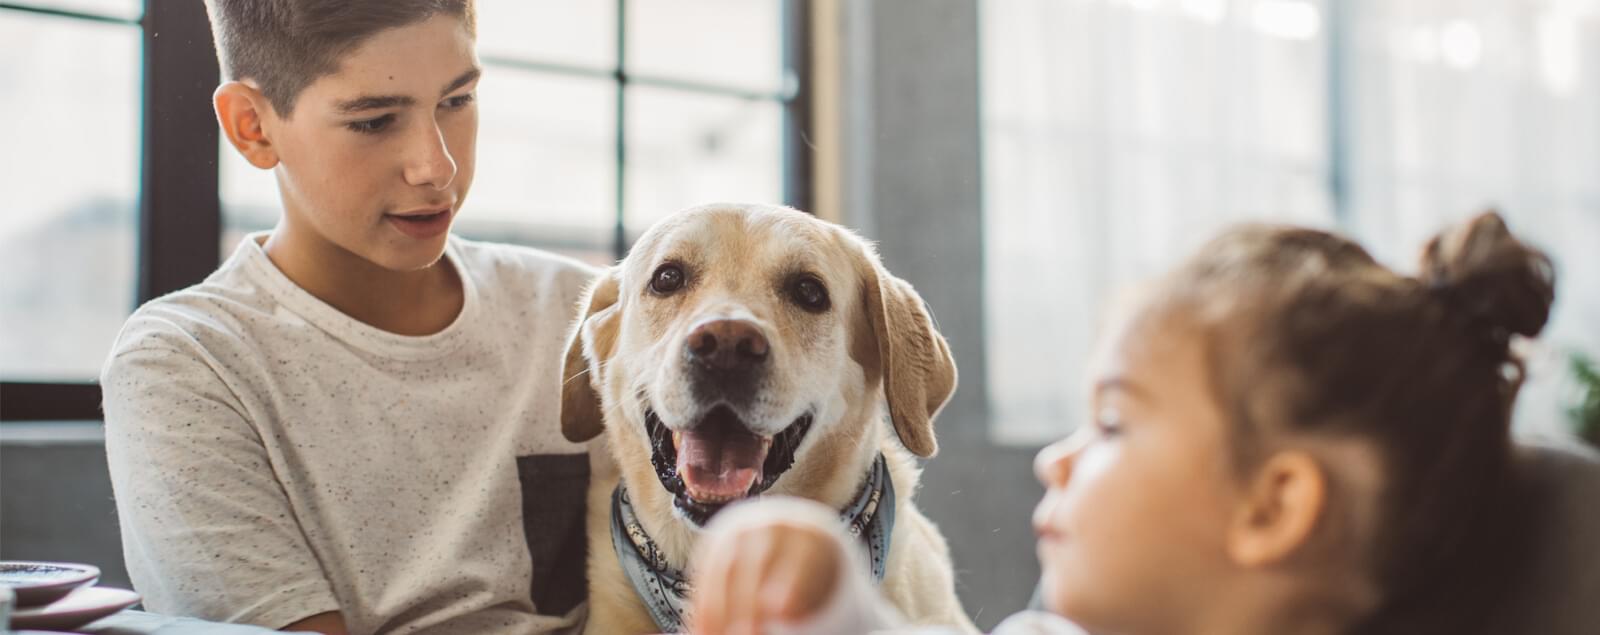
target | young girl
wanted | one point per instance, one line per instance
(1286, 437)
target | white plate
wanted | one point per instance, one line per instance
(40, 583)
(76, 609)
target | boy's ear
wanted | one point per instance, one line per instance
(1280, 509)
(240, 110)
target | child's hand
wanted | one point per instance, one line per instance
(763, 565)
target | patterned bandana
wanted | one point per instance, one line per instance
(869, 517)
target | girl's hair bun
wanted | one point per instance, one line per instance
(1499, 282)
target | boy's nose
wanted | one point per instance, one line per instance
(429, 162)
(1053, 464)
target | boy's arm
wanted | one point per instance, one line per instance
(207, 529)
(326, 623)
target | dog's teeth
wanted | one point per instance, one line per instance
(677, 438)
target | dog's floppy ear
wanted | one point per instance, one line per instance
(589, 346)
(919, 375)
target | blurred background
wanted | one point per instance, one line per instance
(1019, 161)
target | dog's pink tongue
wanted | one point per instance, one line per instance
(719, 463)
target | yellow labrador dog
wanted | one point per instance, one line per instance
(743, 350)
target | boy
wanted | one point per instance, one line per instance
(350, 425)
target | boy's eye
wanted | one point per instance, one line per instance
(371, 126)
(459, 101)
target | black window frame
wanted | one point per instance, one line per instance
(180, 213)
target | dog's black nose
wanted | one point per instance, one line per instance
(728, 345)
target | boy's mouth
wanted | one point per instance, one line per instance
(421, 223)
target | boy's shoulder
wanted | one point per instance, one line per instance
(240, 306)
(198, 316)
(504, 268)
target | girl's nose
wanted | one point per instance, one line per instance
(1053, 465)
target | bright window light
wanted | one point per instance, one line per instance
(1460, 44)
(1558, 52)
(1288, 19)
(1424, 45)
(1209, 11)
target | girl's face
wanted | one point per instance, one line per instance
(1133, 522)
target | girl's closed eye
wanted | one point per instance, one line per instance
(1108, 421)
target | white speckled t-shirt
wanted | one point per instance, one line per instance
(274, 459)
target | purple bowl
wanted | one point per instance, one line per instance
(39, 583)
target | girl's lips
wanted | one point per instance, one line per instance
(426, 225)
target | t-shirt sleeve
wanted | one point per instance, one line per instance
(1037, 623)
(207, 530)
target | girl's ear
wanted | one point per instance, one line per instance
(1281, 506)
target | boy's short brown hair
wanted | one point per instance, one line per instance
(284, 45)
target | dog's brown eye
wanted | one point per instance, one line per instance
(667, 279)
(809, 293)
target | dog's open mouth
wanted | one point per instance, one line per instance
(720, 460)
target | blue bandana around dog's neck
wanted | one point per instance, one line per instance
(869, 517)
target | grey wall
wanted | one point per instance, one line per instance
(55, 498)
(912, 183)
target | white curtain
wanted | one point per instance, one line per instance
(1459, 105)
(1119, 134)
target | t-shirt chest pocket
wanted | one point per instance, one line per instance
(554, 488)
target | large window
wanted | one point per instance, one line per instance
(1119, 134)
(596, 119)
(71, 180)
(583, 143)
(1462, 105)
(1116, 136)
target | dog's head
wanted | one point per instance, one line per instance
(736, 340)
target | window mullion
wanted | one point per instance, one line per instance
(180, 217)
